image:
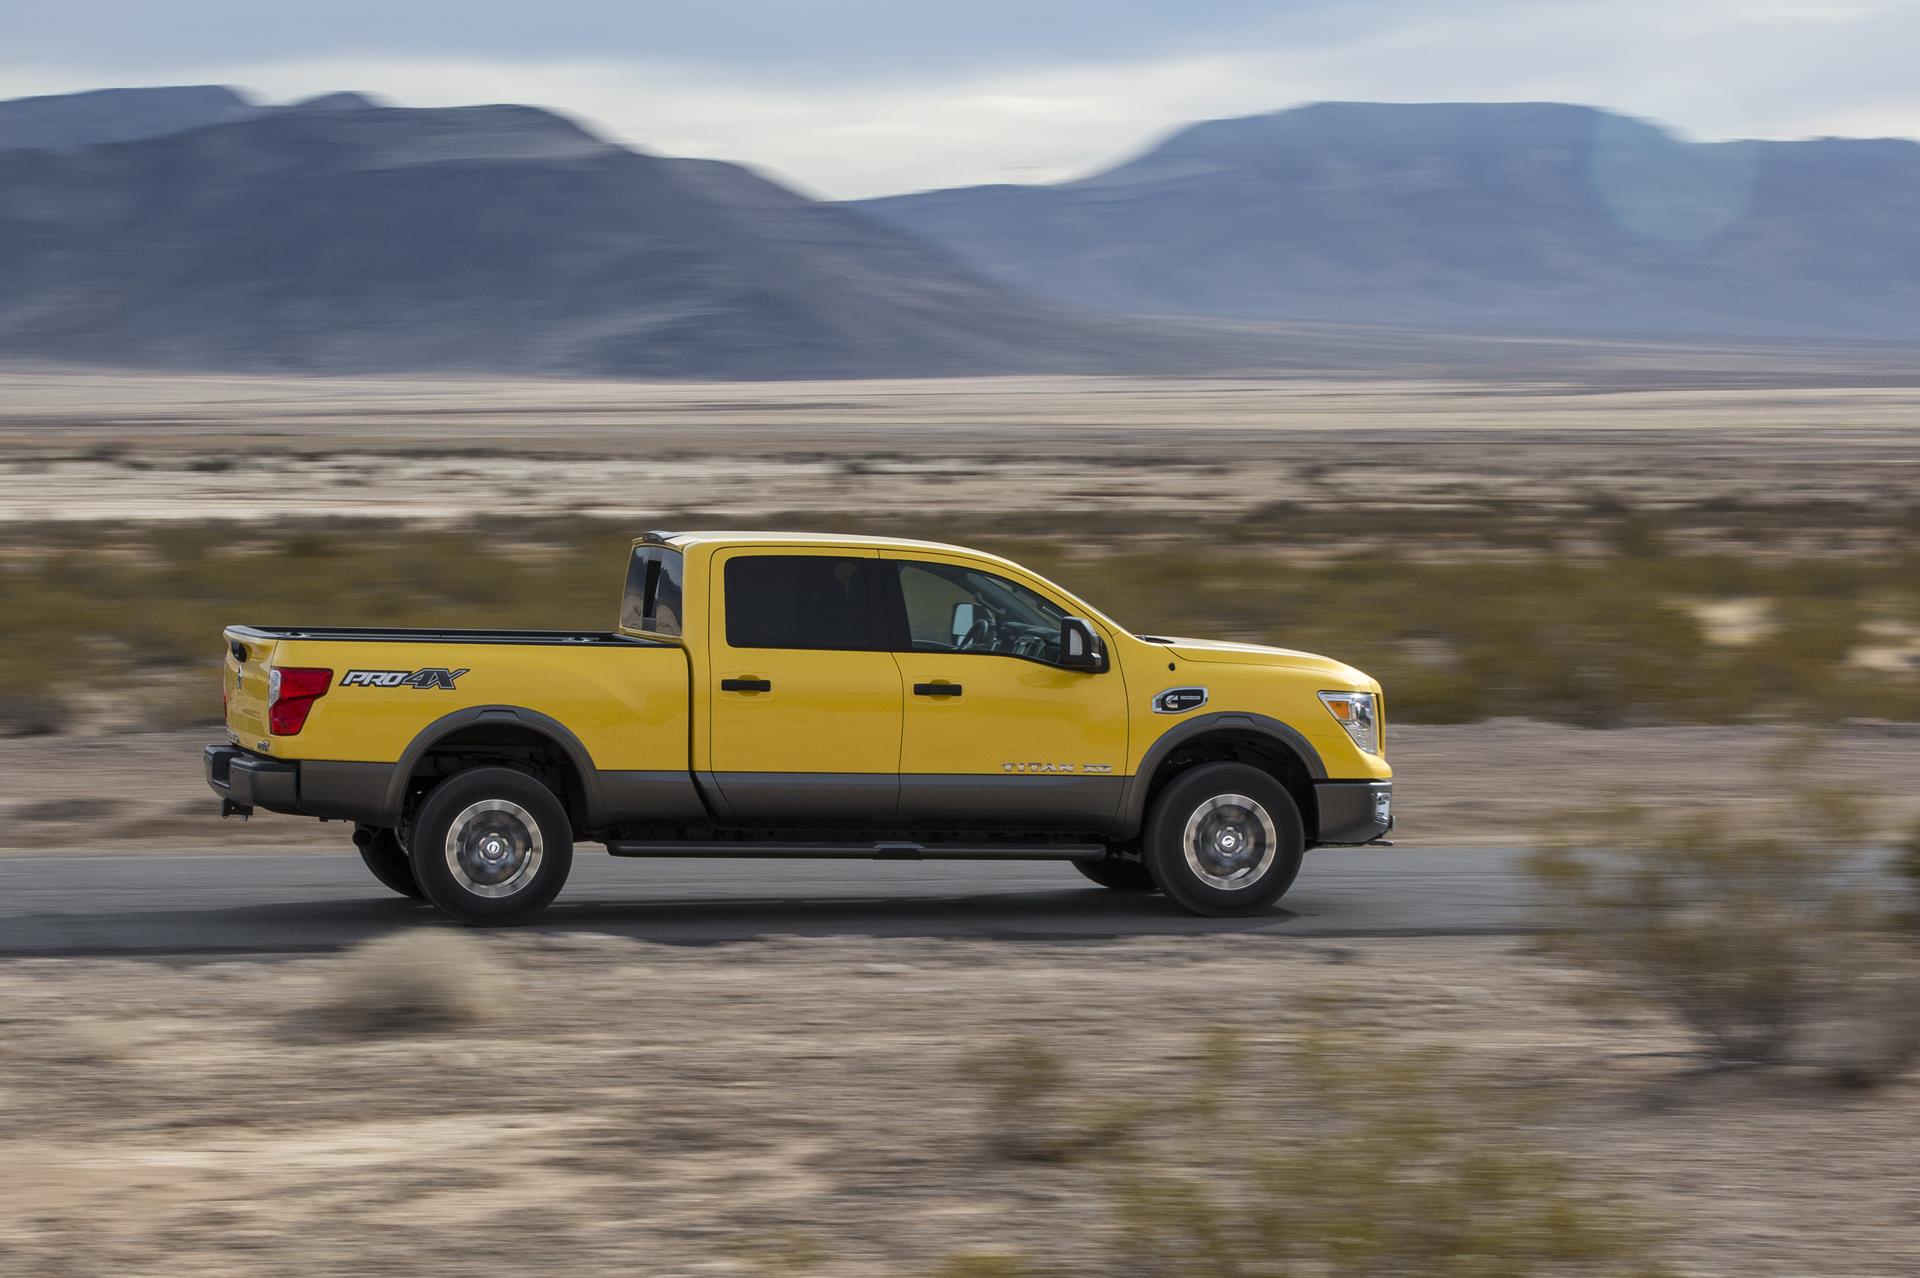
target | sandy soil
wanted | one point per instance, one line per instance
(638, 1109)
(89, 447)
(1497, 782)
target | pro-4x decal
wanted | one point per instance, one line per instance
(426, 677)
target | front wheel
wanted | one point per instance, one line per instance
(492, 847)
(1224, 838)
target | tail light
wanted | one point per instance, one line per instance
(291, 692)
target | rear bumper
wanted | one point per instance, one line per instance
(1354, 811)
(360, 792)
(251, 781)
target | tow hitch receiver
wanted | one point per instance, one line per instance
(229, 808)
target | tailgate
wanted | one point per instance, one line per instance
(249, 658)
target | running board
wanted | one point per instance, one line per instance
(882, 851)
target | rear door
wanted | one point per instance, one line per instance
(806, 700)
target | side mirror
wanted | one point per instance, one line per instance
(1080, 648)
(963, 615)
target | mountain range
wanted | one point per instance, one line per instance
(1516, 217)
(345, 236)
(194, 228)
(68, 121)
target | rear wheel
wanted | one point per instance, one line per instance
(1121, 876)
(1224, 838)
(382, 852)
(491, 847)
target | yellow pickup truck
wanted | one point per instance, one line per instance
(790, 695)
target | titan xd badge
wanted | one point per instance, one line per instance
(1179, 700)
(1091, 769)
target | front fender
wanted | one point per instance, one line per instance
(1133, 799)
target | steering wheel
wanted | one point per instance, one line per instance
(978, 636)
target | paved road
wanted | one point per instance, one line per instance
(282, 903)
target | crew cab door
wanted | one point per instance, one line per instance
(996, 732)
(805, 703)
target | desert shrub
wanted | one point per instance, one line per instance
(180, 699)
(413, 982)
(1906, 864)
(1368, 1161)
(62, 811)
(30, 712)
(986, 1265)
(1761, 937)
(786, 1253)
(1030, 1114)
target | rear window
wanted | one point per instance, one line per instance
(652, 601)
(800, 601)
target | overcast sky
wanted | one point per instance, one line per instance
(862, 97)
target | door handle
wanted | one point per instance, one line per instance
(936, 689)
(746, 685)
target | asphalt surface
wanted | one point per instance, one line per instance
(275, 902)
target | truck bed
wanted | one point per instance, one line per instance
(390, 634)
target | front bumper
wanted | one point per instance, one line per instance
(248, 780)
(1354, 811)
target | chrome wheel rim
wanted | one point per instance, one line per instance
(494, 848)
(1230, 842)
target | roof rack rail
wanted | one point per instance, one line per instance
(657, 536)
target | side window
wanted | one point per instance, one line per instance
(652, 600)
(955, 609)
(800, 601)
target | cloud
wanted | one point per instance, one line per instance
(815, 40)
(857, 97)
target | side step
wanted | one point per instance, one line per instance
(882, 851)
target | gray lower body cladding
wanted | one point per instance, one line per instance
(374, 793)
(367, 793)
(989, 801)
(346, 791)
(1026, 801)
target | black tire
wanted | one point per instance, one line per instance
(491, 847)
(389, 861)
(1121, 876)
(1247, 839)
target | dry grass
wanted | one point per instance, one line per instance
(1383, 1163)
(1603, 632)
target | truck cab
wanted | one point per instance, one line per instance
(784, 694)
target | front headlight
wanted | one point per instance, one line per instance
(1357, 714)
